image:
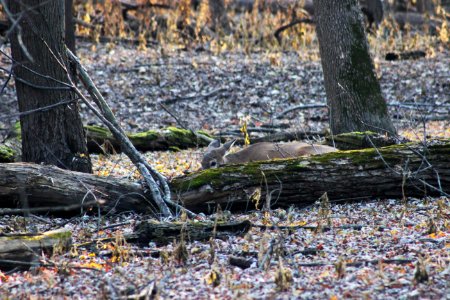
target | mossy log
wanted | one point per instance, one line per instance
(100, 140)
(6, 154)
(11, 147)
(165, 233)
(23, 250)
(392, 171)
(41, 188)
(359, 140)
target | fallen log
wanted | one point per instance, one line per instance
(32, 187)
(392, 171)
(100, 140)
(165, 233)
(151, 140)
(23, 250)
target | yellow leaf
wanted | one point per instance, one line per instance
(213, 278)
(443, 34)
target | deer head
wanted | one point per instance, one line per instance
(216, 155)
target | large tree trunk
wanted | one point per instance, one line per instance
(54, 136)
(353, 91)
(344, 175)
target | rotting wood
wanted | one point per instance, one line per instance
(52, 187)
(164, 233)
(20, 251)
(344, 175)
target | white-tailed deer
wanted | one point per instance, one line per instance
(216, 155)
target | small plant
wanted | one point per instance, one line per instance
(325, 209)
(340, 267)
(421, 273)
(283, 277)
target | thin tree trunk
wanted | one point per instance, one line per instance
(52, 136)
(219, 16)
(353, 91)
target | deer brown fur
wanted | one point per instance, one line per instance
(216, 155)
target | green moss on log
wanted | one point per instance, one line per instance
(98, 130)
(359, 140)
(6, 154)
(171, 138)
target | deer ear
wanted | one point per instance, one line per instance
(228, 144)
(214, 144)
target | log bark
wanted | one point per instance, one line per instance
(23, 250)
(165, 233)
(34, 186)
(393, 171)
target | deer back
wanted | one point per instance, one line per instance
(216, 155)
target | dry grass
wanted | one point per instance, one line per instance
(184, 27)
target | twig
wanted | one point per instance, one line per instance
(407, 105)
(291, 24)
(16, 211)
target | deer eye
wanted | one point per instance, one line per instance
(213, 164)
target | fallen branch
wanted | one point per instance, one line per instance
(164, 233)
(22, 251)
(406, 105)
(278, 32)
(159, 187)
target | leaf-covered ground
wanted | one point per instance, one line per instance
(391, 254)
(377, 258)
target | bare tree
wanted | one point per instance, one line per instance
(54, 133)
(353, 91)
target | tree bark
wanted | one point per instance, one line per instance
(353, 91)
(52, 136)
(393, 171)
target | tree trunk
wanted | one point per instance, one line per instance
(219, 16)
(53, 136)
(393, 171)
(353, 91)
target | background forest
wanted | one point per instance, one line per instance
(178, 74)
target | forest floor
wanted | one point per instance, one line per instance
(401, 249)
